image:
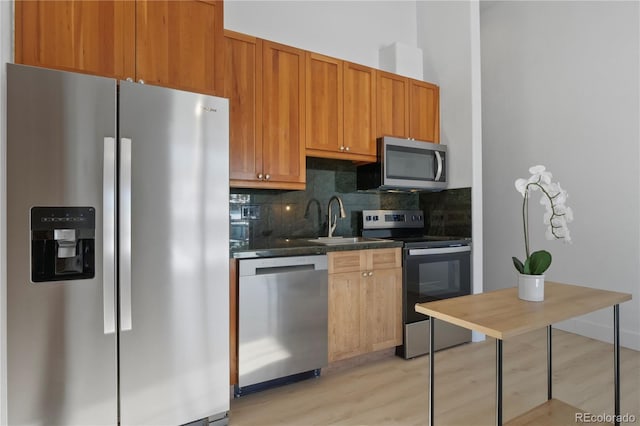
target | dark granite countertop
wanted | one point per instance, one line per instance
(277, 247)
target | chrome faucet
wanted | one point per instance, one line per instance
(332, 227)
(307, 213)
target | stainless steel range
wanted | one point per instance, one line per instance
(434, 268)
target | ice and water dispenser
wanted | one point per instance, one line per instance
(62, 243)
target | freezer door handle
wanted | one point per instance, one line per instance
(125, 234)
(109, 236)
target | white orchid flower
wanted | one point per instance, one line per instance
(536, 170)
(549, 234)
(540, 174)
(556, 215)
(567, 237)
(568, 214)
(545, 201)
(521, 186)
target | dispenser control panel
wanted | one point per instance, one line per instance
(62, 243)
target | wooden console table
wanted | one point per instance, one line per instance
(501, 315)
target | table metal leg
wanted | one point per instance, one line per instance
(616, 362)
(431, 369)
(549, 366)
(499, 382)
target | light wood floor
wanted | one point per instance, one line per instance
(387, 390)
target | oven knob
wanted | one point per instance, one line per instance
(368, 218)
(375, 218)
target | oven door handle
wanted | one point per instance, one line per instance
(440, 250)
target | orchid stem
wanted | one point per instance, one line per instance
(525, 220)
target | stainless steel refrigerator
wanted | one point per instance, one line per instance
(117, 252)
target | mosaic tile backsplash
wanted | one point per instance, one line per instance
(258, 216)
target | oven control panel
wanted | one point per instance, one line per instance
(384, 219)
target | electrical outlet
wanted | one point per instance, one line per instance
(251, 211)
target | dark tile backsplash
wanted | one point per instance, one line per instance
(447, 212)
(269, 214)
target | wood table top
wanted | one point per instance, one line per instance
(501, 314)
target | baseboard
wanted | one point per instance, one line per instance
(628, 338)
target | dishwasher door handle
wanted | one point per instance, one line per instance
(284, 269)
(282, 265)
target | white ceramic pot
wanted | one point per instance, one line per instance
(531, 287)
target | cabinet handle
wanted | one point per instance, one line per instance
(260, 176)
(129, 79)
(347, 149)
(342, 148)
(267, 176)
(364, 274)
(141, 81)
(370, 273)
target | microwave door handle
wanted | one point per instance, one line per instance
(439, 172)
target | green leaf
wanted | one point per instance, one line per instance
(527, 266)
(519, 266)
(539, 262)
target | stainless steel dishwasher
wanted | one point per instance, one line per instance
(282, 320)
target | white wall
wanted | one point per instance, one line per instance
(350, 30)
(560, 88)
(444, 35)
(448, 34)
(6, 55)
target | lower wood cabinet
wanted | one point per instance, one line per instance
(365, 301)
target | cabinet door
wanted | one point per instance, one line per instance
(393, 105)
(424, 109)
(346, 316)
(346, 261)
(179, 44)
(359, 109)
(242, 85)
(383, 259)
(324, 103)
(383, 309)
(283, 101)
(93, 37)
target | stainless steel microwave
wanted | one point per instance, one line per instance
(407, 165)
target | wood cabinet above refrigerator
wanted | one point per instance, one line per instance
(167, 43)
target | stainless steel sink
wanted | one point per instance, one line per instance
(331, 241)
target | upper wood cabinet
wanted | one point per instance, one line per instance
(424, 111)
(340, 109)
(360, 109)
(407, 108)
(393, 105)
(243, 87)
(324, 110)
(179, 44)
(169, 43)
(265, 85)
(283, 120)
(95, 37)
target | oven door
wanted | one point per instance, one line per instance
(433, 274)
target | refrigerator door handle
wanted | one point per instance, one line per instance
(109, 236)
(125, 234)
